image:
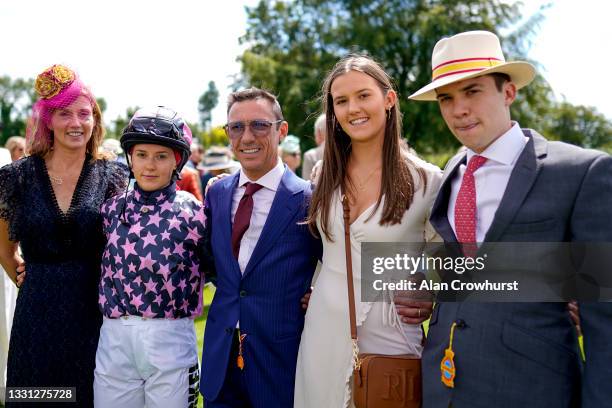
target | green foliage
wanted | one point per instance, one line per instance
(293, 44)
(214, 137)
(102, 104)
(16, 100)
(207, 103)
(119, 123)
(580, 125)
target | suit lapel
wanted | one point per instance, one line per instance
(225, 217)
(439, 218)
(521, 180)
(287, 202)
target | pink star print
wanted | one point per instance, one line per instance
(174, 223)
(147, 262)
(167, 206)
(129, 249)
(150, 286)
(137, 301)
(154, 219)
(192, 234)
(186, 215)
(164, 270)
(199, 216)
(135, 229)
(178, 249)
(149, 239)
(115, 312)
(182, 284)
(128, 289)
(113, 239)
(112, 207)
(169, 287)
(166, 252)
(148, 312)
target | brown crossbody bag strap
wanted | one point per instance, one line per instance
(349, 279)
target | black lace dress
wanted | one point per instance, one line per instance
(57, 321)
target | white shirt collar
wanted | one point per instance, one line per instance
(270, 180)
(506, 149)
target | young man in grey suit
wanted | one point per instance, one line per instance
(512, 185)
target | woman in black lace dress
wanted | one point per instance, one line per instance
(50, 205)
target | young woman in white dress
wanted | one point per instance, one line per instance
(390, 193)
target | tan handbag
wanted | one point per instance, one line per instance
(379, 380)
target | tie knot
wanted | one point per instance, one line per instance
(252, 188)
(475, 163)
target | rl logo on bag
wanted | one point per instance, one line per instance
(385, 381)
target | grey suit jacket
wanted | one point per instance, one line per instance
(311, 157)
(526, 354)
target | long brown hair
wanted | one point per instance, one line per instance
(397, 184)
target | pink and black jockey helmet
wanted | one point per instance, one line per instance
(161, 126)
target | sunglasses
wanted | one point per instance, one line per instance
(258, 127)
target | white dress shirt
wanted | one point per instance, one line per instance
(491, 179)
(262, 202)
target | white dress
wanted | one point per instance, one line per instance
(324, 366)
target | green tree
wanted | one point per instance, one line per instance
(16, 99)
(214, 137)
(120, 122)
(292, 45)
(102, 104)
(580, 125)
(207, 102)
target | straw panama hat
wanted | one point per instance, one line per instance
(468, 55)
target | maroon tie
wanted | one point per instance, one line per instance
(242, 219)
(465, 207)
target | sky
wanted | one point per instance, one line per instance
(152, 52)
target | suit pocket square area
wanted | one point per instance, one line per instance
(540, 350)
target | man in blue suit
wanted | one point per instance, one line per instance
(264, 258)
(512, 185)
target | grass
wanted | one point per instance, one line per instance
(200, 324)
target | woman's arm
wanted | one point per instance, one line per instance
(9, 255)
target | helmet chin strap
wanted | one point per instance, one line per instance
(176, 175)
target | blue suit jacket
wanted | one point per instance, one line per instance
(526, 354)
(266, 298)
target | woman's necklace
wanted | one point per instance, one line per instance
(362, 184)
(56, 179)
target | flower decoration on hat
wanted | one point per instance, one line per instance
(53, 80)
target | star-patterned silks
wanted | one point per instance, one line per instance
(465, 207)
(151, 265)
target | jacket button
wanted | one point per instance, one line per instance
(460, 323)
(144, 210)
(229, 330)
(243, 293)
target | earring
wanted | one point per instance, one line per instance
(389, 114)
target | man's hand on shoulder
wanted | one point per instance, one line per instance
(213, 181)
